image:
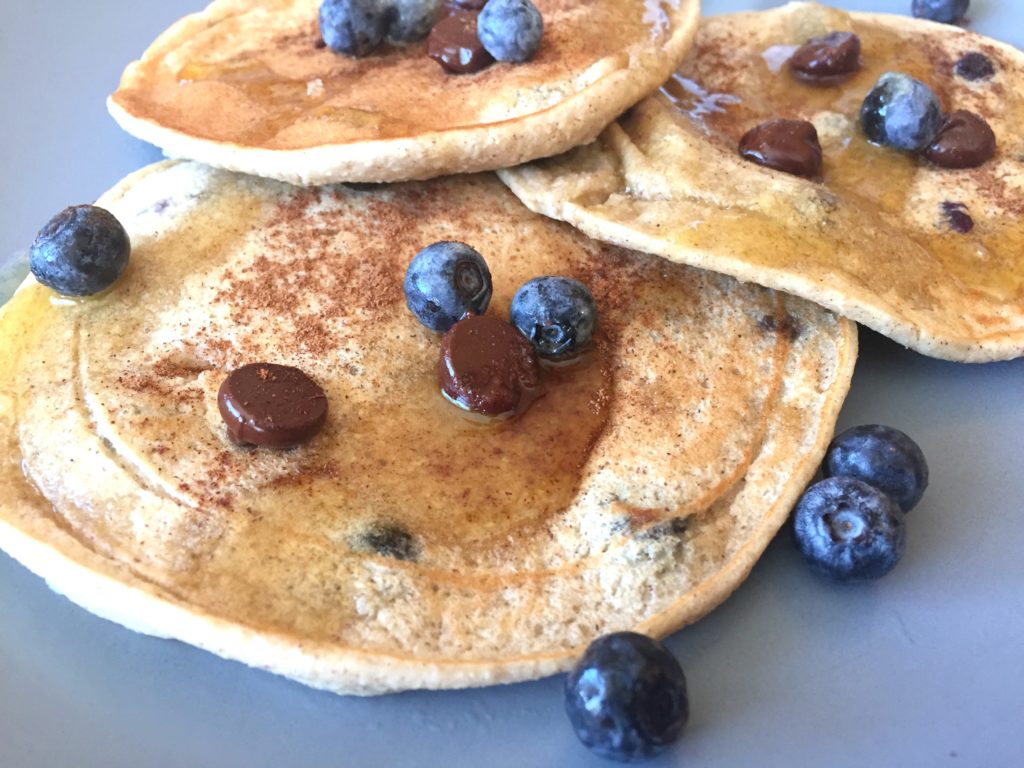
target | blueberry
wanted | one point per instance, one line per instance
(444, 282)
(901, 112)
(354, 27)
(946, 11)
(388, 540)
(557, 314)
(626, 698)
(510, 29)
(883, 457)
(81, 251)
(412, 20)
(848, 529)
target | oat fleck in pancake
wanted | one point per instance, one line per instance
(403, 546)
(244, 86)
(879, 239)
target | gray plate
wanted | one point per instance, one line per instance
(923, 668)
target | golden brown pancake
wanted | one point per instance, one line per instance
(243, 85)
(874, 239)
(404, 546)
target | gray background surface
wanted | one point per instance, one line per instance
(923, 668)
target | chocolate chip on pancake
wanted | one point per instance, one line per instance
(965, 140)
(454, 44)
(273, 406)
(826, 60)
(488, 367)
(786, 145)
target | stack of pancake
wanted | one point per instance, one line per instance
(407, 547)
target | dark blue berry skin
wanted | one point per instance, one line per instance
(557, 315)
(626, 698)
(883, 457)
(81, 251)
(354, 27)
(901, 112)
(444, 282)
(946, 11)
(412, 20)
(510, 30)
(849, 530)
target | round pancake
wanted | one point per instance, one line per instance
(874, 239)
(405, 546)
(244, 86)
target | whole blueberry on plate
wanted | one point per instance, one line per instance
(626, 698)
(444, 281)
(883, 457)
(849, 530)
(946, 11)
(81, 251)
(354, 27)
(510, 29)
(557, 315)
(412, 20)
(901, 112)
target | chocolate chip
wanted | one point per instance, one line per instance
(388, 540)
(974, 66)
(958, 217)
(785, 145)
(454, 44)
(275, 406)
(826, 60)
(965, 140)
(488, 367)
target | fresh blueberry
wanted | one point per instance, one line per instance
(883, 457)
(444, 282)
(354, 27)
(848, 529)
(81, 251)
(946, 11)
(510, 29)
(412, 20)
(626, 698)
(557, 314)
(901, 112)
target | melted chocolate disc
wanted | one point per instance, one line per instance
(270, 405)
(826, 60)
(785, 145)
(965, 140)
(454, 44)
(487, 366)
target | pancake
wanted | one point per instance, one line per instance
(243, 85)
(875, 239)
(405, 546)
